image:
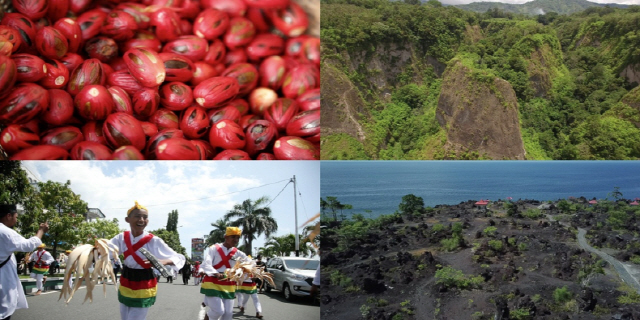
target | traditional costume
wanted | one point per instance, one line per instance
(138, 285)
(249, 288)
(220, 293)
(12, 296)
(42, 259)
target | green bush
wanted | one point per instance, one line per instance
(454, 278)
(532, 214)
(562, 295)
(450, 244)
(437, 227)
(490, 231)
(496, 245)
(519, 314)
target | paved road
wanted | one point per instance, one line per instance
(175, 302)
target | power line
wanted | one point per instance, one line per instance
(278, 193)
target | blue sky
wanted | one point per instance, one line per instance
(201, 191)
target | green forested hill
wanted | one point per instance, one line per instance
(427, 81)
(537, 7)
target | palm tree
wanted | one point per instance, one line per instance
(217, 235)
(281, 246)
(254, 218)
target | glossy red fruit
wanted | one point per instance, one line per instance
(281, 112)
(176, 96)
(300, 79)
(142, 39)
(293, 46)
(12, 35)
(92, 131)
(272, 70)
(122, 101)
(34, 125)
(145, 66)
(51, 43)
(126, 81)
(16, 137)
(292, 21)
(121, 129)
(8, 75)
(265, 45)
(57, 9)
(60, 108)
(30, 68)
(228, 113)
(216, 53)
(262, 98)
(311, 51)
(176, 149)
(63, 137)
(185, 26)
(41, 153)
(305, 124)
(6, 47)
(246, 75)
(189, 9)
(108, 69)
(234, 8)
(267, 4)
(202, 71)
(239, 34)
(216, 91)
(259, 18)
(310, 100)
(119, 25)
(138, 12)
(205, 150)
(177, 68)
(91, 22)
(164, 118)
(294, 148)
(149, 128)
(25, 101)
(240, 104)
(166, 23)
(227, 134)
(266, 156)
(260, 136)
(90, 72)
(71, 32)
(94, 102)
(34, 9)
(194, 122)
(101, 48)
(145, 102)
(191, 47)
(235, 56)
(88, 150)
(248, 119)
(127, 153)
(232, 155)
(210, 24)
(152, 144)
(25, 27)
(56, 77)
(78, 6)
(71, 61)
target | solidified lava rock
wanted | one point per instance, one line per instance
(373, 286)
(502, 309)
(588, 301)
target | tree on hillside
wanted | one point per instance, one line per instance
(254, 218)
(15, 189)
(172, 221)
(411, 204)
(217, 234)
(171, 238)
(334, 205)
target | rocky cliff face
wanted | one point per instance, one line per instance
(341, 104)
(480, 116)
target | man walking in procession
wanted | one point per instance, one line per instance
(218, 290)
(42, 259)
(12, 296)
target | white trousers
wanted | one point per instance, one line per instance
(219, 309)
(131, 313)
(38, 278)
(243, 298)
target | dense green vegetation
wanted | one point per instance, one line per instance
(564, 69)
(536, 7)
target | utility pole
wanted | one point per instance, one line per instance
(295, 206)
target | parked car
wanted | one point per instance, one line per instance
(292, 275)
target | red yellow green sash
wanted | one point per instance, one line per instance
(40, 268)
(248, 288)
(213, 287)
(138, 288)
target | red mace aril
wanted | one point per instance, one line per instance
(91, 22)
(60, 108)
(119, 25)
(34, 125)
(224, 113)
(138, 12)
(145, 66)
(8, 75)
(25, 101)
(176, 149)
(126, 81)
(12, 35)
(118, 64)
(56, 77)
(202, 71)
(281, 112)
(294, 148)
(121, 129)
(152, 144)
(210, 24)
(300, 79)
(92, 131)
(30, 68)
(232, 155)
(247, 120)
(177, 68)
(34, 9)
(88, 150)
(185, 26)
(240, 104)
(71, 61)
(191, 47)
(167, 3)
(108, 70)
(16, 137)
(194, 122)
(235, 56)
(101, 48)
(293, 46)
(71, 32)
(94, 102)
(239, 34)
(260, 136)
(57, 9)
(176, 96)
(166, 24)
(6, 47)
(292, 21)
(245, 73)
(25, 27)
(305, 124)
(127, 153)
(265, 45)
(42, 152)
(78, 6)
(145, 102)
(142, 39)
(63, 137)
(90, 72)
(272, 70)
(189, 9)
(216, 53)
(266, 156)
(149, 128)
(261, 99)
(216, 91)
(122, 101)
(234, 8)
(260, 19)
(310, 100)
(227, 134)
(311, 51)
(205, 150)
(164, 118)
(267, 4)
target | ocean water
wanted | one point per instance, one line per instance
(378, 186)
